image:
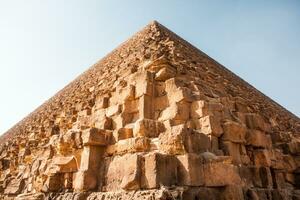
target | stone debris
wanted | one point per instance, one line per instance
(155, 119)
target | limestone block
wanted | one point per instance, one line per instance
(161, 103)
(131, 106)
(217, 174)
(180, 140)
(156, 65)
(233, 150)
(53, 183)
(262, 158)
(146, 107)
(176, 111)
(96, 136)
(209, 125)
(159, 89)
(90, 158)
(190, 170)
(148, 128)
(144, 83)
(105, 123)
(113, 110)
(126, 177)
(294, 147)
(258, 138)
(159, 170)
(232, 192)
(255, 121)
(196, 142)
(123, 94)
(172, 142)
(131, 145)
(15, 186)
(66, 164)
(121, 120)
(84, 181)
(99, 114)
(101, 102)
(234, 132)
(125, 133)
(202, 108)
(165, 73)
(173, 84)
(179, 95)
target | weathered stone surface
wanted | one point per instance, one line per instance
(234, 132)
(209, 125)
(84, 181)
(218, 174)
(123, 172)
(155, 119)
(190, 170)
(147, 127)
(96, 136)
(202, 108)
(159, 170)
(258, 138)
(66, 164)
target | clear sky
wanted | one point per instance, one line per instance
(45, 44)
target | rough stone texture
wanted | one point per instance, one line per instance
(154, 119)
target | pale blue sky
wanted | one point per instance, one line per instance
(45, 44)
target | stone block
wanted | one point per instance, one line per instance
(113, 110)
(123, 94)
(66, 164)
(262, 158)
(144, 83)
(146, 109)
(96, 136)
(90, 158)
(258, 138)
(148, 128)
(180, 140)
(15, 186)
(105, 123)
(165, 73)
(123, 172)
(159, 89)
(131, 145)
(255, 121)
(176, 111)
(233, 150)
(231, 192)
(125, 133)
(294, 147)
(209, 125)
(101, 102)
(131, 106)
(172, 141)
(190, 170)
(234, 132)
(218, 174)
(161, 103)
(202, 108)
(159, 170)
(53, 183)
(84, 181)
(180, 94)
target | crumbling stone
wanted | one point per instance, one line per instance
(155, 119)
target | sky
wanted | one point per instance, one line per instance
(46, 44)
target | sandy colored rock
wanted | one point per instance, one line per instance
(155, 119)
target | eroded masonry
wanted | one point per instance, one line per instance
(154, 119)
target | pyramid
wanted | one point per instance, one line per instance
(154, 119)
